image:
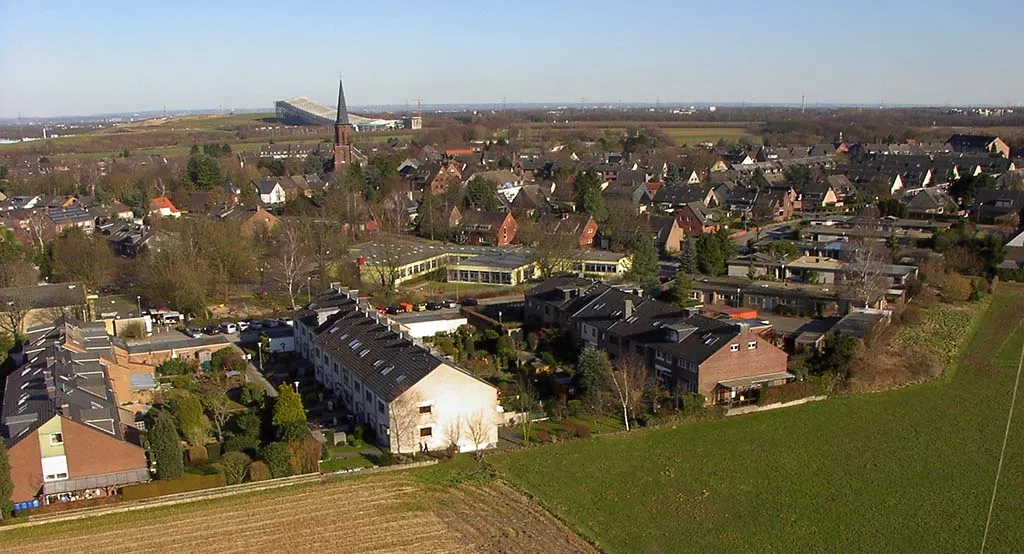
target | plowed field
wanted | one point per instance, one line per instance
(389, 514)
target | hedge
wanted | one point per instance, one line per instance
(796, 390)
(188, 483)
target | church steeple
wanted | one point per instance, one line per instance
(342, 131)
(342, 118)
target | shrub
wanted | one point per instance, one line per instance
(957, 287)
(235, 465)
(278, 458)
(569, 429)
(133, 330)
(175, 366)
(543, 435)
(241, 443)
(197, 455)
(252, 394)
(182, 382)
(304, 456)
(165, 447)
(258, 471)
(796, 390)
(293, 431)
(386, 458)
(582, 430)
(357, 434)
(188, 483)
(213, 451)
(575, 407)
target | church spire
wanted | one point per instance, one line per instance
(342, 118)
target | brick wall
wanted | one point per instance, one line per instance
(724, 365)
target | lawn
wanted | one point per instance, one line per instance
(908, 470)
(694, 135)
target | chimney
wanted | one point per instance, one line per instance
(744, 328)
(628, 311)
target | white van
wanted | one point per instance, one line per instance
(229, 327)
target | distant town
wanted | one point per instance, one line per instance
(196, 305)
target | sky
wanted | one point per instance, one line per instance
(80, 58)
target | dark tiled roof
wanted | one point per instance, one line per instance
(58, 379)
(482, 221)
(364, 342)
(72, 214)
(44, 296)
(569, 224)
(680, 194)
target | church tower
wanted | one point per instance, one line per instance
(342, 132)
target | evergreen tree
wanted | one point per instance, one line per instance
(6, 484)
(688, 258)
(710, 259)
(481, 195)
(194, 424)
(288, 408)
(645, 260)
(587, 189)
(165, 447)
(592, 370)
(681, 287)
(277, 456)
(673, 175)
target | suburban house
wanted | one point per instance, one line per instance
(62, 424)
(163, 207)
(411, 398)
(930, 202)
(581, 227)
(270, 190)
(437, 177)
(783, 298)
(667, 232)
(979, 144)
(490, 228)
(991, 205)
(820, 196)
(672, 197)
(723, 360)
(696, 219)
(252, 221)
(71, 216)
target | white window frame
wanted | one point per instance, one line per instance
(734, 347)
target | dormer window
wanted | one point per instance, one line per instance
(734, 348)
(752, 345)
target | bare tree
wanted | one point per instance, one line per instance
(865, 274)
(523, 402)
(13, 312)
(478, 428)
(630, 381)
(553, 253)
(404, 419)
(325, 244)
(384, 266)
(291, 263)
(453, 433)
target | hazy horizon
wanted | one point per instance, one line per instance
(67, 60)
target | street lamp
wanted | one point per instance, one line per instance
(499, 317)
(138, 301)
(259, 349)
(309, 294)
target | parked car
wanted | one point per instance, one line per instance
(192, 333)
(406, 307)
(470, 301)
(255, 325)
(242, 326)
(382, 309)
(228, 327)
(394, 310)
(434, 306)
(287, 321)
(449, 303)
(212, 330)
(271, 323)
(420, 307)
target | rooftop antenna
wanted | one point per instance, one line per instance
(802, 110)
(504, 101)
(419, 107)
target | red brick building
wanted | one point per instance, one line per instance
(581, 226)
(489, 228)
(695, 218)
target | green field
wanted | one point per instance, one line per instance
(908, 470)
(694, 135)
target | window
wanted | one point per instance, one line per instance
(56, 439)
(426, 431)
(425, 409)
(380, 406)
(369, 395)
(734, 348)
(752, 345)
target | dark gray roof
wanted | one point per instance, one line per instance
(342, 117)
(74, 213)
(55, 295)
(482, 221)
(266, 185)
(56, 378)
(679, 194)
(973, 142)
(364, 343)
